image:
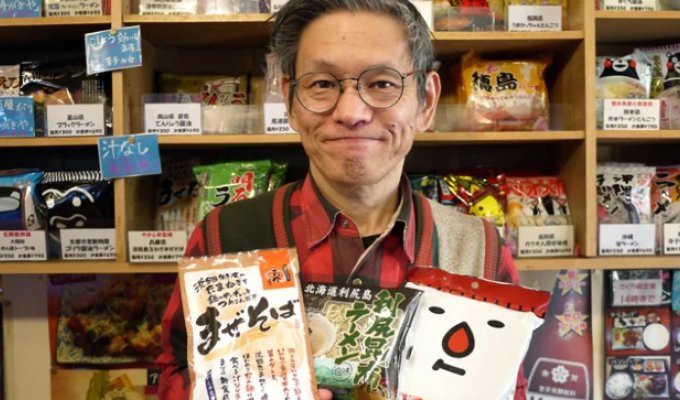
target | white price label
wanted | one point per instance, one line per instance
(637, 292)
(165, 7)
(671, 239)
(627, 239)
(629, 5)
(534, 18)
(75, 120)
(73, 8)
(23, 246)
(632, 114)
(277, 4)
(276, 118)
(545, 241)
(425, 9)
(172, 118)
(156, 246)
(88, 244)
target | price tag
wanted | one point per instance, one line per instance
(16, 116)
(635, 114)
(545, 241)
(73, 8)
(277, 4)
(88, 244)
(534, 18)
(425, 9)
(671, 239)
(20, 9)
(75, 120)
(627, 239)
(276, 118)
(130, 155)
(637, 292)
(164, 7)
(156, 246)
(112, 50)
(172, 118)
(629, 5)
(23, 246)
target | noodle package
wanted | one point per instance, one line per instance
(246, 326)
(461, 324)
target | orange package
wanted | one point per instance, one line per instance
(507, 95)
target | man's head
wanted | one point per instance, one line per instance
(359, 82)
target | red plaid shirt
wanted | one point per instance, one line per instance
(330, 250)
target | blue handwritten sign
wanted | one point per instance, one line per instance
(113, 49)
(16, 116)
(131, 155)
(20, 8)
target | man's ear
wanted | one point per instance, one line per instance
(285, 88)
(433, 89)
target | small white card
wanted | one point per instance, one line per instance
(277, 4)
(627, 239)
(88, 244)
(629, 5)
(637, 292)
(73, 8)
(425, 9)
(156, 246)
(172, 118)
(632, 114)
(534, 18)
(23, 246)
(276, 118)
(75, 120)
(545, 241)
(165, 7)
(671, 239)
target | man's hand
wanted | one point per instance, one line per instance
(325, 394)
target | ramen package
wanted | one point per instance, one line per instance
(508, 95)
(9, 80)
(670, 108)
(18, 199)
(467, 335)
(177, 191)
(665, 67)
(458, 15)
(352, 330)
(624, 194)
(475, 195)
(534, 201)
(637, 377)
(666, 199)
(246, 326)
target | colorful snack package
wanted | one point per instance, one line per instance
(534, 201)
(467, 336)
(428, 185)
(480, 196)
(18, 199)
(177, 192)
(508, 95)
(624, 194)
(277, 175)
(665, 67)
(352, 330)
(246, 326)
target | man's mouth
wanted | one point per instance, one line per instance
(440, 364)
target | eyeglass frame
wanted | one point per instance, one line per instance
(341, 88)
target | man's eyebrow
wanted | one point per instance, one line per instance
(329, 66)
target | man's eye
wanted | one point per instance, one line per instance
(322, 84)
(383, 85)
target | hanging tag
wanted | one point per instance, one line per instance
(129, 155)
(113, 49)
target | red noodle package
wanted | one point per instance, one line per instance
(246, 326)
(467, 337)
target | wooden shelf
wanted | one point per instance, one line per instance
(636, 26)
(49, 31)
(637, 136)
(48, 142)
(510, 43)
(83, 267)
(234, 140)
(598, 263)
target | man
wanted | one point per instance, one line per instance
(359, 83)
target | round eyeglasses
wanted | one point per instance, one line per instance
(378, 87)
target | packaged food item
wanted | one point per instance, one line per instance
(476, 195)
(666, 199)
(463, 15)
(428, 185)
(177, 192)
(352, 330)
(563, 3)
(18, 199)
(507, 95)
(246, 326)
(670, 108)
(665, 62)
(624, 194)
(468, 335)
(277, 175)
(9, 80)
(534, 201)
(638, 377)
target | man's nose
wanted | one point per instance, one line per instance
(351, 109)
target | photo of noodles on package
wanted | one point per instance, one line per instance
(246, 326)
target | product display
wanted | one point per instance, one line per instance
(177, 192)
(9, 80)
(476, 195)
(624, 194)
(246, 326)
(18, 199)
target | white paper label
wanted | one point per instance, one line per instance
(629, 5)
(156, 246)
(545, 241)
(632, 114)
(88, 244)
(627, 239)
(276, 118)
(75, 120)
(172, 118)
(425, 9)
(534, 18)
(637, 292)
(23, 246)
(671, 239)
(165, 7)
(277, 4)
(73, 8)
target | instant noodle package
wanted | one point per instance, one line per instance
(624, 193)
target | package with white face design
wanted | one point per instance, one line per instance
(467, 339)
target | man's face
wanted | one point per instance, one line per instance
(354, 144)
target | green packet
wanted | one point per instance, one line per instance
(352, 330)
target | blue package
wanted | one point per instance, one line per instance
(17, 199)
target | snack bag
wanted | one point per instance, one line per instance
(480, 196)
(665, 62)
(670, 108)
(246, 326)
(177, 191)
(666, 199)
(352, 329)
(508, 95)
(18, 199)
(624, 194)
(467, 338)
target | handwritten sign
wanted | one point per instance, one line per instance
(113, 49)
(20, 8)
(75, 120)
(73, 8)
(16, 116)
(131, 155)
